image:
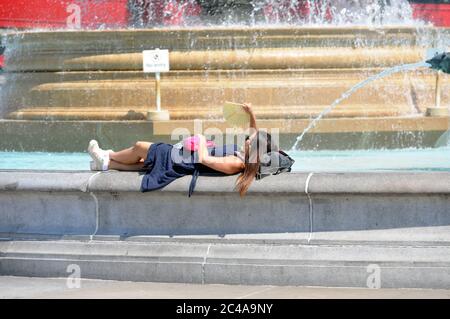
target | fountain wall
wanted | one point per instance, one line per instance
(290, 74)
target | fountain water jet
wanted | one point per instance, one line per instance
(358, 86)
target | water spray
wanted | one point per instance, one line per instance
(440, 61)
(352, 90)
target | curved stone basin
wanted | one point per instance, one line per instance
(285, 72)
(65, 81)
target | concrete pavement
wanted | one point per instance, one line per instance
(49, 288)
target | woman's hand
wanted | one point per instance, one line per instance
(248, 108)
(202, 148)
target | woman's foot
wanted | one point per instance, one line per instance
(100, 158)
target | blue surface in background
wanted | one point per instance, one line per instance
(435, 159)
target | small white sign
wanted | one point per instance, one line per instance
(156, 61)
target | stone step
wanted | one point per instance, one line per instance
(232, 263)
(188, 39)
(280, 67)
(59, 97)
(197, 93)
(123, 57)
(408, 237)
(199, 112)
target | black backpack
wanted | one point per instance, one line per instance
(274, 163)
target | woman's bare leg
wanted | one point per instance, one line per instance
(125, 167)
(131, 155)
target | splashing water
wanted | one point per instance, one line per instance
(146, 13)
(352, 90)
(232, 13)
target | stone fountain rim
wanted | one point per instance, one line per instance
(335, 29)
(364, 183)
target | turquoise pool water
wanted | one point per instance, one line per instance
(434, 159)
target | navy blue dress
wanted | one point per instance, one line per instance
(165, 163)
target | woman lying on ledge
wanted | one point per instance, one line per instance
(164, 163)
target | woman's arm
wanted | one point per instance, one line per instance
(248, 108)
(252, 130)
(228, 164)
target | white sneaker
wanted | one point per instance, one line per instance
(100, 157)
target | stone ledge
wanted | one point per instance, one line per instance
(111, 204)
(410, 236)
(320, 183)
(256, 59)
(307, 265)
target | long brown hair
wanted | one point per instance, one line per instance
(254, 150)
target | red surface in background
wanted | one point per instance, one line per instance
(438, 14)
(54, 13)
(114, 13)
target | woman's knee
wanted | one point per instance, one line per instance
(142, 147)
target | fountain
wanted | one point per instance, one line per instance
(371, 188)
(91, 82)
